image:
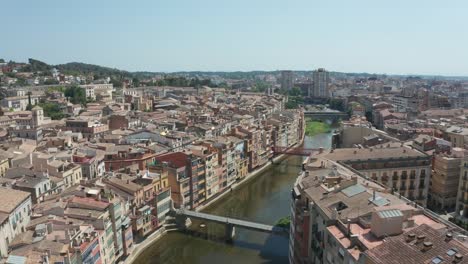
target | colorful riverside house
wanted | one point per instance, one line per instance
(157, 192)
(179, 170)
(209, 159)
(127, 236)
(148, 194)
(90, 248)
(96, 212)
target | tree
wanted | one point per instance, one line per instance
(116, 82)
(136, 82)
(52, 110)
(51, 82)
(76, 94)
(37, 65)
(2, 61)
(29, 107)
(294, 102)
(295, 91)
(337, 104)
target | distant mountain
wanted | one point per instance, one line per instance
(78, 68)
(86, 69)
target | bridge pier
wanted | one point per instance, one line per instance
(182, 221)
(230, 232)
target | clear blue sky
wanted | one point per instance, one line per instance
(403, 37)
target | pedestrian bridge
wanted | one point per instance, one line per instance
(233, 222)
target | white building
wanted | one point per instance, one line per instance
(18, 103)
(99, 91)
(405, 104)
(15, 214)
(89, 89)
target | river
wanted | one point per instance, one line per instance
(264, 199)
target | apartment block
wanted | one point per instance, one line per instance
(445, 179)
(338, 216)
(402, 169)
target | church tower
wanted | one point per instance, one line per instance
(37, 116)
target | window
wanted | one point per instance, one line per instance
(452, 252)
(436, 260)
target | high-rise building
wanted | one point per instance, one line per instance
(321, 80)
(287, 79)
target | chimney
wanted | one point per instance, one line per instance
(427, 245)
(128, 181)
(404, 151)
(448, 236)
(420, 239)
(410, 237)
(458, 258)
(320, 150)
(373, 195)
(355, 152)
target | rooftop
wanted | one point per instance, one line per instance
(350, 154)
(399, 249)
(11, 199)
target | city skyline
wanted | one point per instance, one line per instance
(398, 38)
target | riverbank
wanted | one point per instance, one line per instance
(148, 241)
(236, 185)
(316, 127)
(140, 248)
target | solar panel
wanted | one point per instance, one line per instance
(390, 213)
(353, 190)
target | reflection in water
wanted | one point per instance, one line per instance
(264, 199)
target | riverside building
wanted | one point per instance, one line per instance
(338, 216)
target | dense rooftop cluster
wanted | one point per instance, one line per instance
(86, 188)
